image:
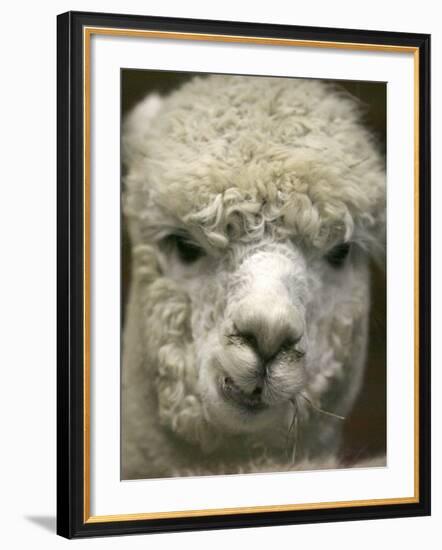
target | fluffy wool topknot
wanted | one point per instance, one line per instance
(233, 155)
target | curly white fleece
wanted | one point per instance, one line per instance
(243, 165)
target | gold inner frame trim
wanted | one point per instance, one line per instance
(87, 34)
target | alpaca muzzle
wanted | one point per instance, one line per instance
(262, 363)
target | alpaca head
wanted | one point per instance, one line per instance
(253, 206)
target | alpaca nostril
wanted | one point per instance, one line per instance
(288, 344)
(250, 340)
(257, 391)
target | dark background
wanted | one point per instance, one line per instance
(365, 428)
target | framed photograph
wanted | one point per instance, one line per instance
(243, 274)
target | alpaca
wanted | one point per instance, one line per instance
(253, 205)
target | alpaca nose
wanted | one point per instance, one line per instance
(269, 325)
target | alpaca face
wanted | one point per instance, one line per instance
(253, 205)
(269, 321)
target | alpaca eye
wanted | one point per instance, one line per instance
(188, 252)
(337, 255)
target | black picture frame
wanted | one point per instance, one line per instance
(72, 514)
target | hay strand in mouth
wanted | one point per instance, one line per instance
(319, 410)
(294, 425)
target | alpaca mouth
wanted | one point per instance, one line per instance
(248, 401)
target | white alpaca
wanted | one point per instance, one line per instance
(253, 206)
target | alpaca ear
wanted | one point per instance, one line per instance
(136, 126)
